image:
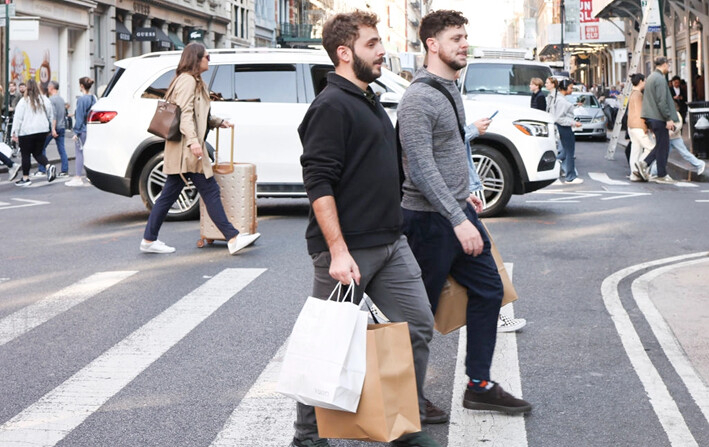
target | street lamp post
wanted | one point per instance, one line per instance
(7, 57)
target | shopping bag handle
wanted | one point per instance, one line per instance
(341, 299)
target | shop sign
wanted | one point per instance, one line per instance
(146, 34)
(586, 9)
(654, 23)
(196, 34)
(591, 32)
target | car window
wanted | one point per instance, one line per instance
(502, 79)
(222, 87)
(158, 88)
(319, 75)
(265, 83)
(589, 101)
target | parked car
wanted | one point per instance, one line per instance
(266, 93)
(589, 113)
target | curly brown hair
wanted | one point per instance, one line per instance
(343, 30)
(437, 21)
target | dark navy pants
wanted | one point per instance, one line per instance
(439, 254)
(208, 192)
(661, 152)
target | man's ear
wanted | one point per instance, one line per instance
(344, 53)
(432, 44)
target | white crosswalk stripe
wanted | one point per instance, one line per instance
(56, 414)
(468, 427)
(42, 311)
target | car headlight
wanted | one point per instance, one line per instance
(532, 128)
(599, 119)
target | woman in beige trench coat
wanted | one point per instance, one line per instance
(186, 157)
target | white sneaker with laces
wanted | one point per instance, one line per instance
(155, 247)
(507, 324)
(241, 241)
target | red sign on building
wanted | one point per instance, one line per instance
(586, 10)
(592, 32)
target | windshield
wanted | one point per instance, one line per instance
(502, 79)
(589, 101)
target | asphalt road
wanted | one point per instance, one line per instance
(176, 350)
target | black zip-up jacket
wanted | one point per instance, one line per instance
(349, 152)
(539, 102)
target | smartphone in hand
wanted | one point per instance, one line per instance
(493, 115)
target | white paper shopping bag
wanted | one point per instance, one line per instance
(325, 362)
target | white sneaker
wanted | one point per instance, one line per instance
(700, 170)
(507, 324)
(74, 182)
(13, 171)
(155, 247)
(51, 172)
(241, 241)
(576, 181)
(666, 180)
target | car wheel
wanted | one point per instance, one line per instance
(496, 175)
(152, 181)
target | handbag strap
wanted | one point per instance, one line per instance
(437, 85)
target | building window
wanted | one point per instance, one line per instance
(241, 22)
(98, 41)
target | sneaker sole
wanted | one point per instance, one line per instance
(436, 420)
(511, 328)
(490, 407)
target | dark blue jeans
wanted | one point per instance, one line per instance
(568, 142)
(209, 193)
(5, 160)
(60, 148)
(439, 254)
(661, 152)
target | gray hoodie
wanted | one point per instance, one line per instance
(561, 109)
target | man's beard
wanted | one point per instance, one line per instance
(364, 72)
(452, 63)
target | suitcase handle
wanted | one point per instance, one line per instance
(224, 168)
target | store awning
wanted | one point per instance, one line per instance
(153, 34)
(122, 33)
(176, 40)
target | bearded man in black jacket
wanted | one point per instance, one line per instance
(351, 175)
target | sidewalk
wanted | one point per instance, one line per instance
(52, 155)
(681, 296)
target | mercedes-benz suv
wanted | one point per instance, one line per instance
(266, 93)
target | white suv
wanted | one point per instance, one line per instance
(266, 93)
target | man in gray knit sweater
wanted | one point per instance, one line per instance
(440, 220)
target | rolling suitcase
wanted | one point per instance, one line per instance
(237, 182)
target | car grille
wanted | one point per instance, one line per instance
(584, 119)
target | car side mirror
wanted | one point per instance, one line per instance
(390, 99)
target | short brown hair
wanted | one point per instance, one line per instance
(437, 21)
(343, 30)
(538, 82)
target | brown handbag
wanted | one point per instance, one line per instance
(166, 120)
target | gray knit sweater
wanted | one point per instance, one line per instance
(434, 155)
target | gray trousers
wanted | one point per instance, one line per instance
(392, 279)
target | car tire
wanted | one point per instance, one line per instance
(496, 175)
(152, 179)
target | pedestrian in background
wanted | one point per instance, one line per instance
(563, 113)
(83, 107)
(59, 126)
(660, 115)
(677, 143)
(33, 122)
(640, 142)
(440, 218)
(538, 101)
(186, 160)
(345, 174)
(679, 93)
(13, 168)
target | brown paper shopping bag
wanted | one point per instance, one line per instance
(452, 303)
(388, 408)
